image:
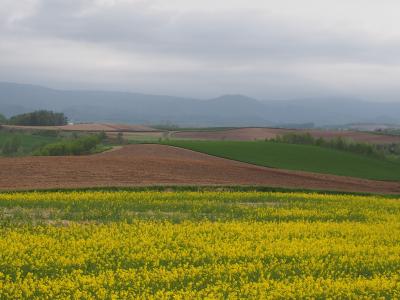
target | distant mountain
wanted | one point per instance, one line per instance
(228, 110)
(327, 111)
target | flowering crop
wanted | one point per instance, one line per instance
(187, 245)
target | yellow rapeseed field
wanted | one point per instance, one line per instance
(190, 245)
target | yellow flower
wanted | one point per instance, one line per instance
(191, 245)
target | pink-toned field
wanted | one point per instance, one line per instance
(250, 134)
(237, 134)
(108, 127)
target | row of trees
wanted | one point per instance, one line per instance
(36, 118)
(338, 143)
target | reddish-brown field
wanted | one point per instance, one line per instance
(250, 134)
(138, 165)
(88, 127)
(238, 134)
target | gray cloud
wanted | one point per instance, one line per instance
(243, 36)
(134, 44)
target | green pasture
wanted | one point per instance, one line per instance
(297, 157)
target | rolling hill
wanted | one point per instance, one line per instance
(298, 157)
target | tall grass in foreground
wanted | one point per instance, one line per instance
(198, 244)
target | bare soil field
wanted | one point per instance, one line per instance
(250, 134)
(89, 127)
(140, 165)
(357, 136)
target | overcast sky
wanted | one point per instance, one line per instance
(266, 49)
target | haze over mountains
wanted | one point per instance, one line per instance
(227, 110)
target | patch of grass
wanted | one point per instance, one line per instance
(81, 146)
(297, 157)
(101, 148)
(28, 142)
(140, 138)
(33, 143)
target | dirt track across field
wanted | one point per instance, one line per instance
(138, 165)
(251, 134)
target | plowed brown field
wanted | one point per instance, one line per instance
(250, 134)
(137, 165)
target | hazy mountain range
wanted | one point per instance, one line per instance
(228, 110)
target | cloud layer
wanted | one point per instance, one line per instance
(269, 49)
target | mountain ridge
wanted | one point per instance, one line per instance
(225, 110)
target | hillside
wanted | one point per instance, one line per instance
(298, 157)
(151, 164)
(228, 110)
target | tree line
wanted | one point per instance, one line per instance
(36, 118)
(391, 151)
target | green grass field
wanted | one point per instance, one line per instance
(28, 142)
(297, 157)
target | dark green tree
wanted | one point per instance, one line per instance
(3, 119)
(102, 136)
(39, 118)
(120, 138)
